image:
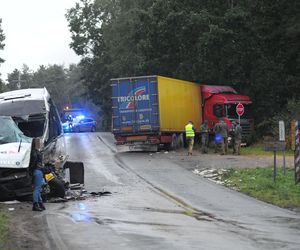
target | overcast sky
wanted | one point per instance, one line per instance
(36, 34)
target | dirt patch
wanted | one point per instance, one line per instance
(26, 228)
(217, 161)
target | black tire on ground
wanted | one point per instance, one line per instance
(93, 129)
(174, 143)
(180, 141)
(57, 188)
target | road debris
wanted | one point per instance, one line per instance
(77, 192)
(214, 175)
(10, 202)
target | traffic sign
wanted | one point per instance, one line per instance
(240, 109)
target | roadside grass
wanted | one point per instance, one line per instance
(258, 149)
(3, 227)
(258, 183)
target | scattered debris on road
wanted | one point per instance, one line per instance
(10, 202)
(214, 175)
(77, 192)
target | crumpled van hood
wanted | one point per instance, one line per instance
(11, 157)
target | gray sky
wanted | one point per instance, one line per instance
(36, 34)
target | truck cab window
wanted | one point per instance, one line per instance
(231, 111)
(218, 110)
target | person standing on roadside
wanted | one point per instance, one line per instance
(37, 179)
(237, 137)
(224, 135)
(38, 183)
(218, 138)
(204, 137)
(190, 136)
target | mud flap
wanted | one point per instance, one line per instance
(76, 170)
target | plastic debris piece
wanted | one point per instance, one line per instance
(10, 202)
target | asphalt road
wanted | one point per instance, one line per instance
(157, 203)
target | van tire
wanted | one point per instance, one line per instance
(93, 129)
(57, 188)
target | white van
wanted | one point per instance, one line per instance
(37, 119)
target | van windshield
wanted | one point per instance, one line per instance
(18, 108)
(9, 132)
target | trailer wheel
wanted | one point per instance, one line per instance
(57, 188)
(180, 141)
(174, 143)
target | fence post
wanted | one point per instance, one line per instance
(297, 153)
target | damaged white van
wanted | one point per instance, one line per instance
(27, 116)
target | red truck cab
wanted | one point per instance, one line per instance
(221, 101)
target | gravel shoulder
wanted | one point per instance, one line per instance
(217, 161)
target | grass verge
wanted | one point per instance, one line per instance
(258, 183)
(3, 227)
(258, 149)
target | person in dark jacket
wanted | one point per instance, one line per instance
(218, 137)
(237, 137)
(224, 134)
(204, 137)
(37, 178)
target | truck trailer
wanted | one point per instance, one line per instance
(149, 112)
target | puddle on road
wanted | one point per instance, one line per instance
(80, 217)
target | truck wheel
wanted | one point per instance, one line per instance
(93, 129)
(174, 143)
(57, 188)
(180, 141)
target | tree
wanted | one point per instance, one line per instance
(250, 44)
(13, 80)
(2, 38)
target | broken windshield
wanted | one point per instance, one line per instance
(9, 131)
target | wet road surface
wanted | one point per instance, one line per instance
(156, 204)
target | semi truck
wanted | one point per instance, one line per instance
(150, 112)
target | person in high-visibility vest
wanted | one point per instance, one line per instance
(190, 135)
